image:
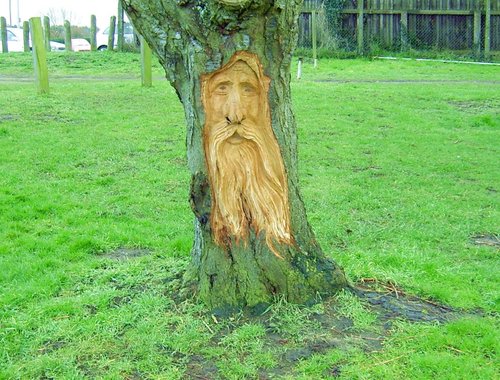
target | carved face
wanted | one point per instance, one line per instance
(246, 171)
(234, 97)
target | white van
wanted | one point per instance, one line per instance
(128, 36)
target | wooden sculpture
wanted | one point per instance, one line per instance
(229, 62)
(247, 175)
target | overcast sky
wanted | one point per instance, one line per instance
(77, 11)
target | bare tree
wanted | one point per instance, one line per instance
(59, 15)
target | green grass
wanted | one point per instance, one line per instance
(398, 167)
(103, 64)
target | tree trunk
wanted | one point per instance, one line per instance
(267, 249)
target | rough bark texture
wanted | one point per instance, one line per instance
(193, 38)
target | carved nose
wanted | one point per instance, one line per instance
(234, 112)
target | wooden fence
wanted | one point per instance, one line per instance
(464, 25)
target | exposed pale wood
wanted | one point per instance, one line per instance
(246, 171)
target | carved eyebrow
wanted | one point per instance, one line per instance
(222, 82)
(249, 84)
(219, 83)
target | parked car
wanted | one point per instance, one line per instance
(14, 40)
(80, 44)
(57, 46)
(128, 36)
(77, 44)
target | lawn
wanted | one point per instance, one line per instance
(399, 173)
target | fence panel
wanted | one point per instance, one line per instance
(394, 25)
(495, 32)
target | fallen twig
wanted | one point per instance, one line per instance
(455, 349)
(388, 361)
(208, 327)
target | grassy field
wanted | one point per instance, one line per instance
(400, 176)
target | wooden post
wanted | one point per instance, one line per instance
(3, 33)
(26, 36)
(111, 35)
(438, 32)
(146, 56)
(93, 32)
(314, 38)
(477, 30)
(39, 55)
(404, 31)
(67, 36)
(46, 32)
(487, 29)
(299, 68)
(119, 42)
(359, 26)
(390, 18)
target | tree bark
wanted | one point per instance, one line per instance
(194, 38)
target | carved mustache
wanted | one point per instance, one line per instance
(225, 129)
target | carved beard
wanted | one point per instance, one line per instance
(248, 184)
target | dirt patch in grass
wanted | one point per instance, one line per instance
(278, 341)
(490, 240)
(200, 368)
(390, 302)
(124, 253)
(50, 346)
(329, 329)
(475, 106)
(275, 341)
(8, 117)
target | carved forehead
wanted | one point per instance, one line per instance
(242, 59)
(238, 71)
(242, 66)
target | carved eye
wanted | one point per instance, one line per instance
(249, 89)
(222, 89)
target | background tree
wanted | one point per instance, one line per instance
(57, 16)
(238, 263)
(57, 32)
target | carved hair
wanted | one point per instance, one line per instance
(246, 172)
